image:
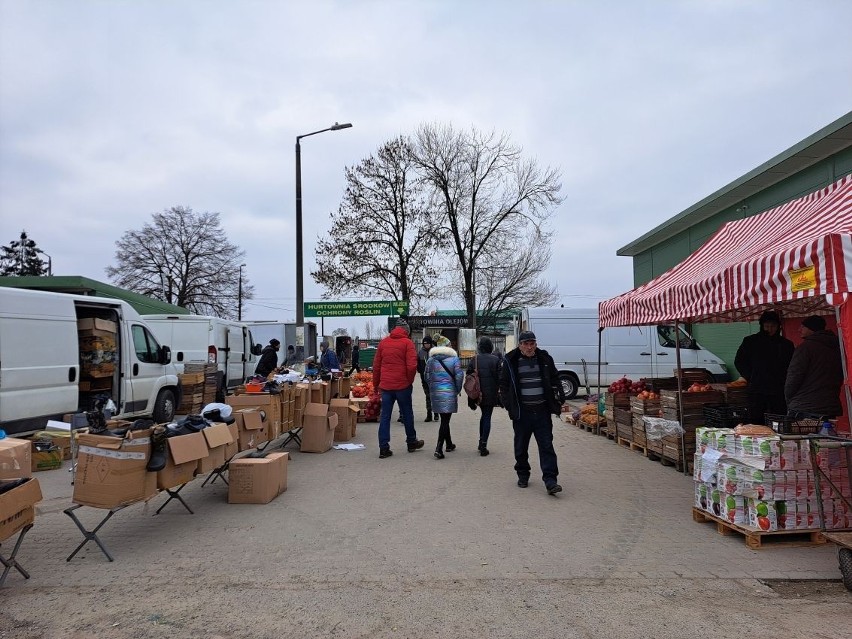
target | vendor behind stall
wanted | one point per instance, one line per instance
(815, 373)
(762, 359)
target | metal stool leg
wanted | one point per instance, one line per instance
(11, 562)
(173, 494)
(217, 473)
(90, 535)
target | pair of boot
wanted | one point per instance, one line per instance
(430, 415)
(483, 450)
(439, 453)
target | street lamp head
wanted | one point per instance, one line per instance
(337, 127)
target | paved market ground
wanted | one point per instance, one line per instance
(416, 547)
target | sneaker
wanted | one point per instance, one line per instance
(385, 452)
(417, 445)
(451, 447)
(553, 489)
(523, 482)
(439, 454)
(483, 452)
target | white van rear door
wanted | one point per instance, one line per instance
(236, 356)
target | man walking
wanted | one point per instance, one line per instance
(530, 391)
(394, 368)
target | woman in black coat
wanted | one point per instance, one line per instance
(488, 365)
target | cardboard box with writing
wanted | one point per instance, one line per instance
(318, 428)
(270, 404)
(111, 471)
(252, 428)
(347, 414)
(15, 458)
(217, 436)
(184, 451)
(16, 507)
(57, 438)
(257, 480)
(45, 458)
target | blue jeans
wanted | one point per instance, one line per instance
(485, 423)
(404, 398)
(535, 424)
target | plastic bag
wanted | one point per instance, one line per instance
(657, 427)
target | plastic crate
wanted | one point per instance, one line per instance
(724, 415)
(786, 425)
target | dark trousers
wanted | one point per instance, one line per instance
(761, 403)
(428, 396)
(444, 436)
(539, 425)
(485, 423)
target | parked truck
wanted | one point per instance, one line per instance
(570, 335)
(61, 353)
(210, 340)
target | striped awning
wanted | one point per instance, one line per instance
(796, 257)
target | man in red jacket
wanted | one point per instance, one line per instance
(394, 368)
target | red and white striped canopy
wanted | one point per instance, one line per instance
(797, 257)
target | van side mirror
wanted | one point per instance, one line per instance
(165, 355)
(257, 349)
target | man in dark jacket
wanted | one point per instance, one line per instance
(530, 391)
(394, 368)
(356, 357)
(268, 361)
(422, 357)
(762, 359)
(816, 372)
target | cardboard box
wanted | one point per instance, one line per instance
(59, 439)
(182, 461)
(46, 459)
(252, 430)
(257, 481)
(347, 416)
(345, 386)
(217, 436)
(111, 471)
(267, 402)
(95, 324)
(16, 507)
(318, 428)
(15, 458)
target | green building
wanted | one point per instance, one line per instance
(78, 285)
(807, 166)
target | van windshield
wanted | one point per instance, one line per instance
(668, 335)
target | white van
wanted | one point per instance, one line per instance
(209, 340)
(59, 352)
(570, 335)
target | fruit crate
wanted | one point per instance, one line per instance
(621, 400)
(786, 425)
(644, 406)
(623, 416)
(724, 415)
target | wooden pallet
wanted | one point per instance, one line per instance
(755, 539)
(631, 445)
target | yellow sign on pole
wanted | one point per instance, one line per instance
(803, 279)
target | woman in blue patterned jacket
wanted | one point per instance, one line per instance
(445, 377)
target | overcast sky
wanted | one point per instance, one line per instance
(113, 110)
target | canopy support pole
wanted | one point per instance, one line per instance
(679, 373)
(600, 337)
(843, 364)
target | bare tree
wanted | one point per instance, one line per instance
(381, 238)
(183, 258)
(21, 257)
(488, 194)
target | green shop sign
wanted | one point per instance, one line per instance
(354, 309)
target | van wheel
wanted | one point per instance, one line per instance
(570, 384)
(164, 407)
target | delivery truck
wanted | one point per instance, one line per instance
(62, 353)
(209, 340)
(570, 335)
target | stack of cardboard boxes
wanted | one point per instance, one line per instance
(98, 353)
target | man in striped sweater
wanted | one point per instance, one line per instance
(530, 391)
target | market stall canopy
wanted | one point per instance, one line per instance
(797, 256)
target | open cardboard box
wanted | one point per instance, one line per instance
(15, 458)
(182, 460)
(217, 436)
(347, 415)
(251, 427)
(318, 428)
(17, 507)
(267, 402)
(112, 471)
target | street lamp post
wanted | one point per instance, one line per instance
(300, 291)
(240, 295)
(49, 261)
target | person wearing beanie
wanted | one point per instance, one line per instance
(328, 359)
(394, 369)
(268, 358)
(486, 365)
(422, 358)
(445, 377)
(815, 374)
(531, 392)
(762, 360)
